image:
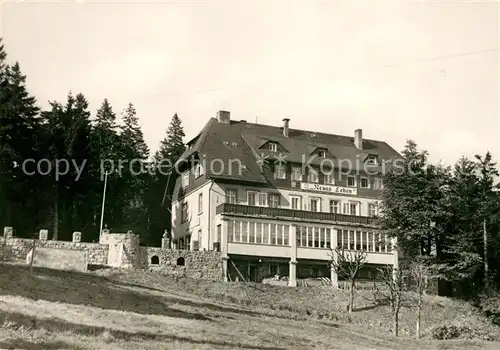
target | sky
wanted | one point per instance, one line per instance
(423, 70)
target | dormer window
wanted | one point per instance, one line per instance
(372, 160)
(198, 171)
(322, 153)
(273, 146)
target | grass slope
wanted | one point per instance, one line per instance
(123, 309)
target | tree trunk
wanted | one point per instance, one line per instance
(56, 214)
(351, 297)
(486, 267)
(396, 321)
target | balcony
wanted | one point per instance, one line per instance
(291, 214)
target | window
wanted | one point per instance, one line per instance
(334, 206)
(274, 200)
(351, 181)
(184, 212)
(279, 171)
(251, 198)
(353, 208)
(372, 160)
(296, 174)
(350, 208)
(251, 232)
(198, 171)
(181, 261)
(313, 175)
(377, 183)
(185, 179)
(196, 242)
(315, 204)
(155, 260)
(262, 199)
(188, 242)
(295, 202)
(244, 232)
(273, 147)
(322, 153)
(364, 183)
(231, 196)
(372, 209)
(329, 180)
(181, 243)
(200, 203)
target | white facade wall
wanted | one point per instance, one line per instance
(197, 222)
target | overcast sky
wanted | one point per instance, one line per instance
(425, 70)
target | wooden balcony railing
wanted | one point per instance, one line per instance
(249, 210)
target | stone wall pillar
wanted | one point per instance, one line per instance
(43, 235)
(130, 258)
(104, 236)
(77, 237)
(166, 241)
(292, 280)
(8, 232)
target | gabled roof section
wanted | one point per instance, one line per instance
(239, 147)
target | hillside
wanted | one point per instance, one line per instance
(123, 309)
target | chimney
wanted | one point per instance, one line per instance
(224, 117)
(286, 129)
(358, 138)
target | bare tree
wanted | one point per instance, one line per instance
(420, 273)
(347, 264)
(395, 281)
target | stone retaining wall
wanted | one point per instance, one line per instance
(18, 248)
(197, 264)
(122, 250)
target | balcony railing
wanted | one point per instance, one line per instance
(249, 210)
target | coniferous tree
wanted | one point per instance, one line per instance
(488, 208)
(161, 184)
(107, 149)
(67, 136)
(134, 178)
(19, 130)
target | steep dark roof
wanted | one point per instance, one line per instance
(244, 142)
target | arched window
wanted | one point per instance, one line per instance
(180, 261)
(155, 260)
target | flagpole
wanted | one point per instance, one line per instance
(103, 202)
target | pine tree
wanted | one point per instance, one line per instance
(67, 136)
(134, 178)
(172, 146)
(161, 185)
(487, 174)
(106, 147)
(132, 134)
(105, 132)
(19, 128)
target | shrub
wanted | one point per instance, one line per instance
(490, 305)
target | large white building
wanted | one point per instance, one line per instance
(274, 199)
